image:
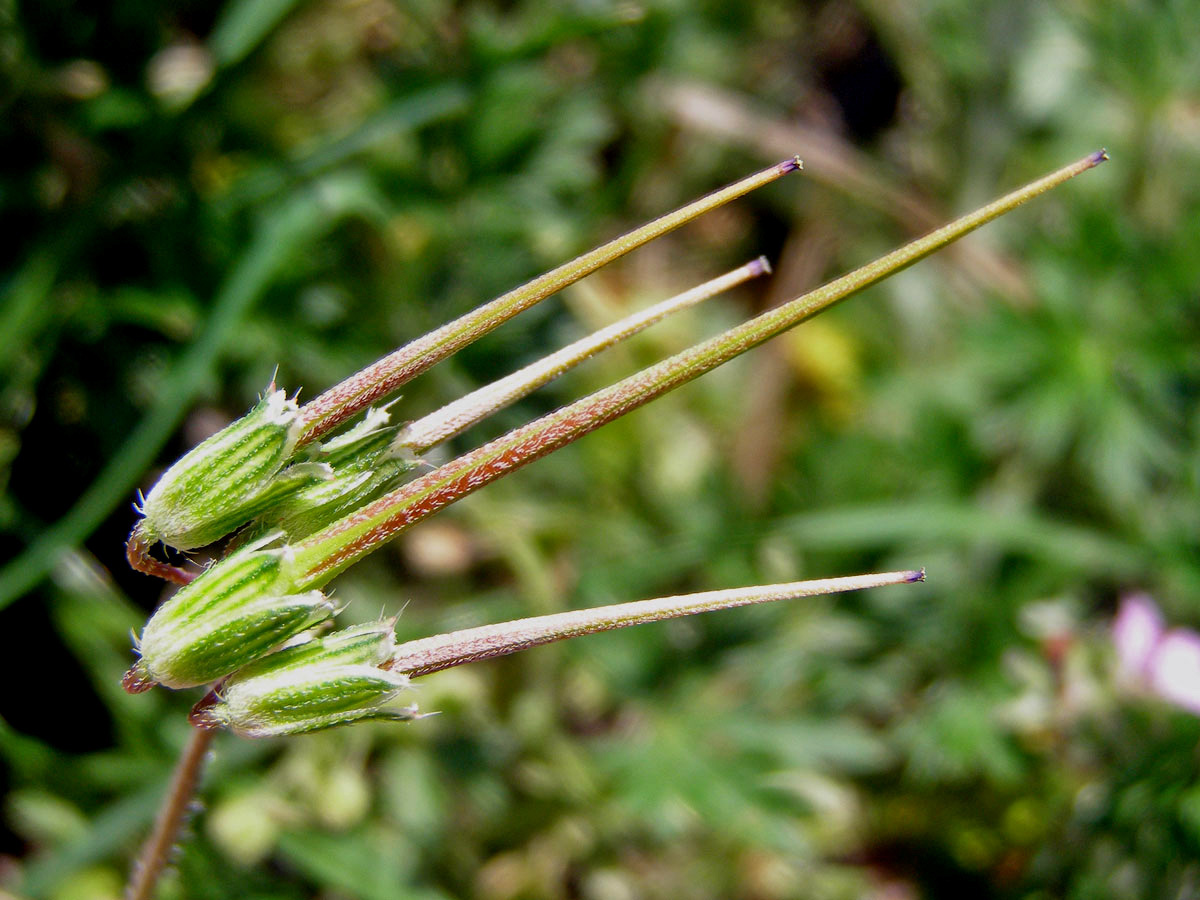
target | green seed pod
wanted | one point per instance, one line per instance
(321, 683)
(229, 478)
(233, 614)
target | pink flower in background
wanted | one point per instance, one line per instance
(1175, 669)
(1136, 632)
(1166, 662)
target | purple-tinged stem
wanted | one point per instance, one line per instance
(359, 391)
(156, 851)
(137, 552)
(443, 651)
(320, 557)
(456, 417)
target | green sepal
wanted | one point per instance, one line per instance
(319, 684)
(228, 479)
(364, 465)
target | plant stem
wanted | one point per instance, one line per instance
(137, 553)
(155, 853)
(321, 556)
(443, 651)
(362, 389)
(454, 418)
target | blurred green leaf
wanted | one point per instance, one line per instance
(243, 25)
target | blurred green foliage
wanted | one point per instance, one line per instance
(195, 196)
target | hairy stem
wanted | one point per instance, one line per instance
(137, 552)
(155, 853)
(359, 391)
(456, 417)
(443, 651)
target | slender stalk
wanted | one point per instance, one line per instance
(156, 852)
(456, 417)
(443, 651)
(137, 552)
(359, 391)
(323, 555)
